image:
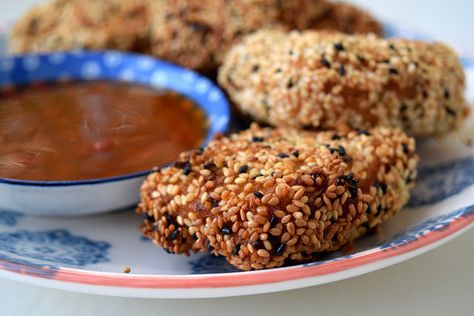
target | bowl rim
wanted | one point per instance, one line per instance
(158, 64)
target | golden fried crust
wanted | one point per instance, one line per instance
(197, 34)
(330, 79)
(191, 33)
(347, 18)
(266, 195)
(91, 24)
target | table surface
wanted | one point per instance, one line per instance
(440, 282)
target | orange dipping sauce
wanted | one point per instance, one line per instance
(95, 129)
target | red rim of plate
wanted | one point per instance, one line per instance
(235, 279)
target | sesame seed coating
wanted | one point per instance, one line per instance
(330, 79)
(194, 34)
(347, 18)
(302, 192)
(90, 24)
(198, 34)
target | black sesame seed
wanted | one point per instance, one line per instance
(174, 235)
(150, 218)
(450, 111)
(257, 139)
(243, 169)
(281, 249)
(236, 250)
(361, 59)
(291, 52)
(385, 61)
(379, 209)
(258, 194)
(369, 209)
(282, 155)
(214, 202)
(446, 94)
(187, 169)
(393, 71)
(363, 132)
(325, 62)
(273, 220)
(296, 153)
(353, 191)
(226, 230)
(332, 149)
(170, 220)
(272, 174)
(258, 244)
(306, 126)
(405, 148)
(350, 183)
(255, 68)
(339, 47)
(258, 175)
(341, 150)
(290, 83)
(208, 245)
(382, 186)
(347, 159)
(342, 70)
(199, 27)
(210, 166)
(335, 137)
(278, 70)
(391, 46)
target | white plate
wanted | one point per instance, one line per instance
(88, 254)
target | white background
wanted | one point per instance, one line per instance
(440, 282)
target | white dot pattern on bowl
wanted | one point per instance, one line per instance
(112, 59)
(91, 70)
(127, 75)
(31, 63)
(159, 79)
(202, 85)
(57, 58)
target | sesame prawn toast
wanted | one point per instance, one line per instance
(265, 195)
(328, 79)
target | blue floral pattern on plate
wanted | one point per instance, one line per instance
(436, 183)
(9, 218)
(416, 232)
(56, 247)
(211, 264)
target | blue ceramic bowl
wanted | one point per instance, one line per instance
(103, 194)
